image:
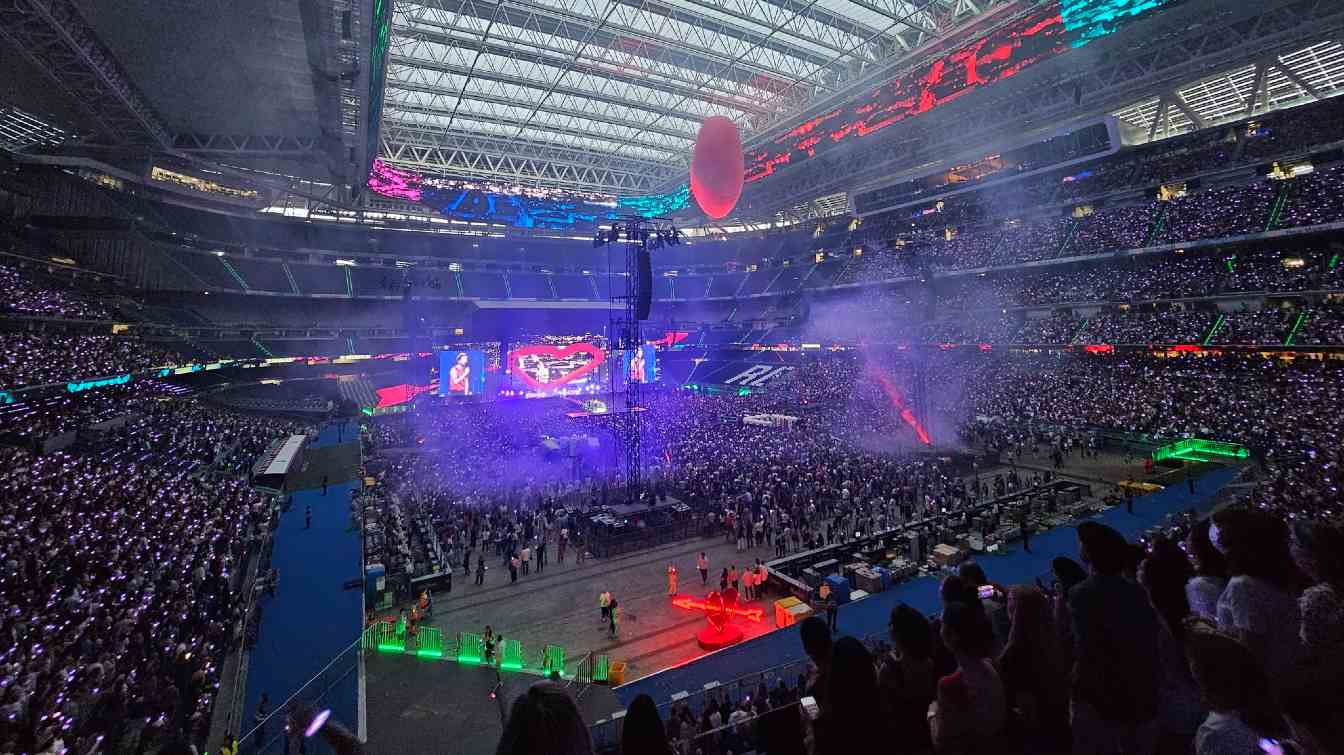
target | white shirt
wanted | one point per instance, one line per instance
(1203, 592)
(1254, 606)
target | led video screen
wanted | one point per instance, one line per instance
(556, 367)
(461, 373)
(640, 365)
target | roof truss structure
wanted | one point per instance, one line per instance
(608, 94)
(1276, 80)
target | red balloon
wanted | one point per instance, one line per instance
(717, 167)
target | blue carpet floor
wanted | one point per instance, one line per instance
(869, 616)
(311, 618)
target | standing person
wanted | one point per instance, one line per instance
(671, 579)
(747, 584)
(480, 568)
(545, 720)
(513, 570)
(832, 610)
(642, 731)
(906, 682)
(1259, 606)
(259, 719)
(1318, 550)
(527, 559)
(702, 564)
(1034, 672)
(541, 556)
(732, 576)
(613, 615)
(604, 603)
(1233, 684)
(1114, 695)
(723, 579)
(564, 543)
(846, 724)
(1210, 579)
(1024, 522)
(971, 708)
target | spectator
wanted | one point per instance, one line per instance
(851, 719)
(1259, 606)
(1204, 588)
(1318, 550)
(973, 575)
(906, 681)
(971, 708)
(642, 730)
(1233, 684)
(1165, 574)
(1313, 703)
(1034, 673)
(1115, 674)
(544, 721)
(817, 644)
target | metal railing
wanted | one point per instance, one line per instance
(269, 735)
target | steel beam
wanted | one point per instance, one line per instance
(58, 41)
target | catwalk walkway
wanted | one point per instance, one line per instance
(870, 615)
(311, 618)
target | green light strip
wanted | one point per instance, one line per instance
(1334, 261)
(234, 273)
(1214, 330)
(1198, 449)
(1292, 333)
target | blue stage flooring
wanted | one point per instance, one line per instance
(869, 615)
(311, 618)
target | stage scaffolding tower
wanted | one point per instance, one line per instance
(637, 236)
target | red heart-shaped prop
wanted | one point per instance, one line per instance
(716, 611)
(555, 352)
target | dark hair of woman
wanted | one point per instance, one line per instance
(846, 723)
(911, 631)
(1232, 680)
(544, 721)
(1164, 574)
(967, 630)
(1208, 561)
(642, 731)
(1255, 543)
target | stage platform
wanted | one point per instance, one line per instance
(422, 705)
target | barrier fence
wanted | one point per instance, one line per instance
(326, 689)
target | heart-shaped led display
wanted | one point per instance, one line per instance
(545, 367)
(716, 611)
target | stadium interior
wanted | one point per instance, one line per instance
(983, 359)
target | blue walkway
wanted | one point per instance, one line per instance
(310, 619)
(869, 616)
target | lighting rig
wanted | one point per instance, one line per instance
(641, 236)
